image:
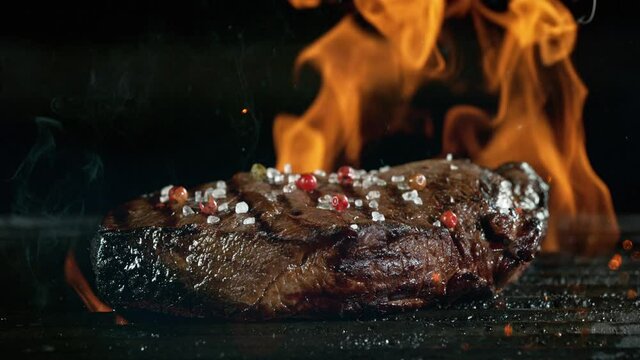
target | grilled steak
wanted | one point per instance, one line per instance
(468, 232)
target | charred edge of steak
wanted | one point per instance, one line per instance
(300, 261)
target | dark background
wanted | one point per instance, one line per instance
(102, 101)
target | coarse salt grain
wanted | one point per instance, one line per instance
(197, 196)
(403, 186)
(272, 172)
(249, 221)
(221, 184)
(219, 193)
(381, 182)
(376, 216)
(271, 196)
(409, 195)
(287, 168)
(333, 178)
(368, 181)
(211, 219)
(324, 206)
(325, 199)
(354, 226)
(319, 172)
(164, 193)
(165, 190)
(223, 207)
(292, 178)
(187, 210)
(449, 157)
(358, 203)
(289, 188)
(397, 178)
(384, 169)
(373, 204)
(278, 179)
(208, 193)
(453, 167)
(374, 194)
(242, 207)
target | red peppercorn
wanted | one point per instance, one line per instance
(210, 207)
(417, 182)
(178, 194)
(345, 175)
(307, 182)
(340, 202)
(449, 219)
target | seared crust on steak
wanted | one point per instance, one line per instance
(302, 260)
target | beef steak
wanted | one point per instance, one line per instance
(390, 249)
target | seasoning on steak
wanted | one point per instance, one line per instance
(469, 231)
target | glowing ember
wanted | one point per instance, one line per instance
(508, 330)
(627, 244)
(615, 262)
(369, 79)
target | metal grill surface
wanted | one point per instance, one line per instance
(562, 307)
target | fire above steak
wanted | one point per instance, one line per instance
(272, 250)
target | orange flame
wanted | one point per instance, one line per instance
(74, 277)
(539, 119)
(526, 62)
(304, 4)
(356, 65)
(615, 262)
